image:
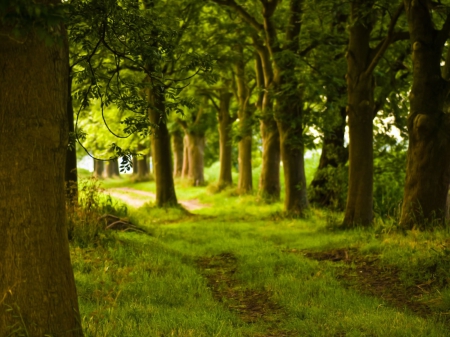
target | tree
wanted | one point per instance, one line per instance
(361, 62)
(37, 287)
(428, 159)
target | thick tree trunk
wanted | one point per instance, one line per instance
(71, 176)
(185, 168)
(196, 149)
(161, 153)
(324, 191)
(428, 160)
(245, 183)
(99, 168)
(289, 117)
(225, 123)
(37, 288)
(177, 149)
(360, 86)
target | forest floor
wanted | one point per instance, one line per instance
(234, 267)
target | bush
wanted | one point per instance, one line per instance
(84, 227)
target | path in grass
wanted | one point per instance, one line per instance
(126, 195)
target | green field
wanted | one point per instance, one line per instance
(238, 267)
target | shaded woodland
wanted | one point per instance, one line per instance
(167, 89)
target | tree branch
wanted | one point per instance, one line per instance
(384, 44)
(242, 13)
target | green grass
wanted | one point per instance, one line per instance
(132, 284)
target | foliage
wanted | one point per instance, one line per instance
(84, 226)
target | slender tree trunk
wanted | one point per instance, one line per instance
(196, 149)
(37, 288)
(269, 180)
(185, 169)
(115, 167)
(177, 149)
(245, 183)
(161, 153)
(334, 156)
(225, 123)
(99, 168)
(428, 159)
(71, 176)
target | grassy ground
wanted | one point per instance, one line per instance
(239, 268)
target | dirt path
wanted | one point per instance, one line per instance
(126, 195)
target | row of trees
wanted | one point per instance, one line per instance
(282, 62)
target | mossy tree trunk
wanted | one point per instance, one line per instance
(428, 158)
(37, 287)
(161, 152)
(326, 188)
(289, 109)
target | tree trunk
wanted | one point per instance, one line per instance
(71, 176)
(135, 165)
(225, 124)
(289, 117)
(142, 163)
(428, 158)
(99, 168)
(185, 169)
(37, 288)
(245, 183)
(196, 149)
(326, 191)
(269, 180)
(161, 152)
(360, 87)
(177, 149)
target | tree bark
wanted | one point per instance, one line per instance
(99, 168)
(289, 112)
(334, 156)
(225, 142)
(196, 149)
(185, 168)
(37, 288)
(360, 86)
(269, 180)
(161, 152)
(142, 163)
(177, 149)
(428, 158)
(361, 61)
(245, 114)
(71, 175)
